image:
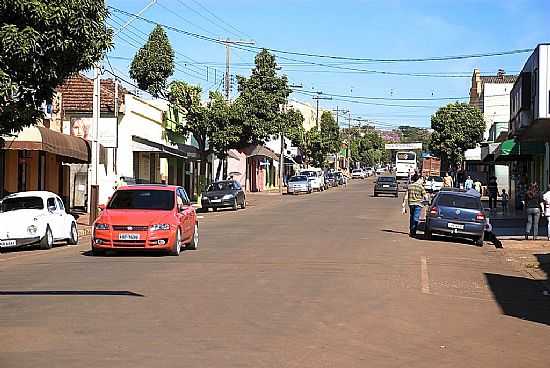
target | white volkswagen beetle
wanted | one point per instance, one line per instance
(30, 218)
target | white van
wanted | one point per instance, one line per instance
(316, 178)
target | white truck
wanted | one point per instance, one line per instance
(316, 178)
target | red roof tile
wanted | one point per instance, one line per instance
(77, 94)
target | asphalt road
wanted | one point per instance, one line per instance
(325, 280)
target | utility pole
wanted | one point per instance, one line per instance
(96, 114)
(282, 156)
(349, 141)
(228, 42)
(317, 98)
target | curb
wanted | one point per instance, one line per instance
(85, 231)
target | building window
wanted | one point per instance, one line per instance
(42, 170)
(23, 157)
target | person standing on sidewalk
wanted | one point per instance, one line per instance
(448, 181)
(546, 199)
(469, 183)
(534, 204)
(492, 189)
(414, 196)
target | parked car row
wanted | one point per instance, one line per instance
(309, 181)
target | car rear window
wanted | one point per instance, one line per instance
(458, 201)
(386, 179)
(142, 199)
(297, 178)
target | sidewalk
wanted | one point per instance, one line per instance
(532, 258)
(510, 224)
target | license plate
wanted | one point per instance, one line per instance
(216, 201)
(385, 186)
(450, 225)
(128, 236)
(8, 243)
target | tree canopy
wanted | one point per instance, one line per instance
(411, 134)
(330, 133)
(43, 42)
(367, 146)
(153, 64)
(262, 97)
(457, 127)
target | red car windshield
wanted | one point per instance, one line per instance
(142, 199)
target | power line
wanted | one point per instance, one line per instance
(208, 19)
(381, 60)
(144, 37)
(220, 19)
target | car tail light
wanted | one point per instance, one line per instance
(433, 211)
(480, 216)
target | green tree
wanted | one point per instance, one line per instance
(153, 64)
(456, 128)
(188, 98)
(330, 133)
(262, 97)
(313, 148)
(43, 42)
(367, 146)
(410, 134)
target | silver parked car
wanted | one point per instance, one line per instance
(299, 183)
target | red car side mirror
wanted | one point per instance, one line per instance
(101, 207)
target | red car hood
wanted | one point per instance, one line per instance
(135, 217)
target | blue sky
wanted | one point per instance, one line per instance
(360, 28)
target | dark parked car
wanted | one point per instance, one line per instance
(386, 185)
(227, 193)
(340, 178)
(456, 213)
(330, 180)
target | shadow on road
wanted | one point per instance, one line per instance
(520, 297)
(395, 232)
(128, 253)
(72, 292)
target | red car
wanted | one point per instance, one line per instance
(151, 217)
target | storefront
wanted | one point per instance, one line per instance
(37, 158)
(261, 168)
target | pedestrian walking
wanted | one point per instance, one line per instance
(534, 205)
(546, 200)
(414, 196)
(492, 189)
(469, 183)
(477, 186)
(504, 200)
(448, 181)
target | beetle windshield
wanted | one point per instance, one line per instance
(21, 203)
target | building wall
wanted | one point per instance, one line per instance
(496, 104)
(309, 112)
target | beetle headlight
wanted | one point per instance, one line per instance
(32, 229)
(159, 227)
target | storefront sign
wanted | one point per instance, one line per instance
(403, 146)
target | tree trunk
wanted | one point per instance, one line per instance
(202, 172)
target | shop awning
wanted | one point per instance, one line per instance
(513, 150)
(37, 138)
(257, 150)
(140, 144)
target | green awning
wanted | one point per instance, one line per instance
(513, 150)
(509, 147)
